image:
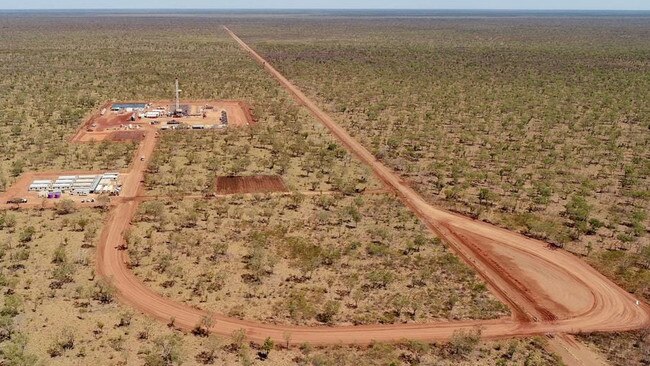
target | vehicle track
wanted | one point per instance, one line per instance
(550, 291)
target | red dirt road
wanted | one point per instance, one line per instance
(549, 291)
(555, 289)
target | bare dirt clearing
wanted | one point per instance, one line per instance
(20, 189)
(253, 184)
(127, 123)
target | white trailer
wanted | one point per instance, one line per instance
(152, 114)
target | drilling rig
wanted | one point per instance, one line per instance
(177, 111)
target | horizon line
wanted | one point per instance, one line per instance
(327, 9)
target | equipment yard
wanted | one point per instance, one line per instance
(78, 186)
(127, 121)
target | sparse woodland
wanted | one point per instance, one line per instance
(290, 146)
(326, 259)
(543, 131)
(539, 126)
(622, 349)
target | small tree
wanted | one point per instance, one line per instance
(484, 196)
(463, 342)
(15, 351)
(287, 338)
(65, 207)
(577, 209)
(166, 351)
(266, 348)
(209, 355)
(103, 200)
(27, 234)
(238, 338)
(103, 292)
(202, 329)
(330, 309)
(59, 254)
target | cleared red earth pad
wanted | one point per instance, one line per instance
(250, 184)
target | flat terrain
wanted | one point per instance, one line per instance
(538, 125)
(622, 349)
(302, 155)
(304, 260)
(251, 184)
(551, 288)
(125, 125)
(20, 188)
(62, 314)
(547, 289)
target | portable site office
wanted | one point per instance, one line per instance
(39, 187)
(81, 191)
(76, 186)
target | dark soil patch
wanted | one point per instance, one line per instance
(253, 184)
(126, 136)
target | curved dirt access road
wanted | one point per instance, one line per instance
(553, 288)
(550, 291)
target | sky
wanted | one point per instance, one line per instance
(330, 4)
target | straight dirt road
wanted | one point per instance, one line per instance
(549, 291)
(539, 283)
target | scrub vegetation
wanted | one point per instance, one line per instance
(290, 146)
(327, 259)
(622, 349)
(539, 125)
(543, 131)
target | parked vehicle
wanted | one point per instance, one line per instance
(17, 200)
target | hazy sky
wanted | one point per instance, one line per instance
(331, 4)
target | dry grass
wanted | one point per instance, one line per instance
(622, 349)
(305, 260)
(515, 122)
